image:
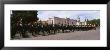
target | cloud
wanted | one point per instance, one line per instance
(44, 14)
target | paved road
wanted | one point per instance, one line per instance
(77, 35)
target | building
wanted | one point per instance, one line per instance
(44, 22)
(61, 21)
(81, 23)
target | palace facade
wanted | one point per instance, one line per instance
(81, 23)
(61, 21)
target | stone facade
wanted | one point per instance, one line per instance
(60, 21)
(81, 23)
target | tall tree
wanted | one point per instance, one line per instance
(94, 21)
(24, 16)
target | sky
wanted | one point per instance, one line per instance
(73, 14)
(45, 14)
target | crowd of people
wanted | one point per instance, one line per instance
(46, 29)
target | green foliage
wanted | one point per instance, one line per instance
(94, 21)
(26, 16)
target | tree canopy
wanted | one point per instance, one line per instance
(26, 16)
(94, 21)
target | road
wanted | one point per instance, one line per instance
(77, 35)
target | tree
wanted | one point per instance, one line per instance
(94, 21)
(27, 16)
(23, 17)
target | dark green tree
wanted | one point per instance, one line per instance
(24, 16)
(94, 21)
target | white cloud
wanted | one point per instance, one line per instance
(44, 15)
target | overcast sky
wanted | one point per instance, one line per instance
(44, 15)
(73, 14)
